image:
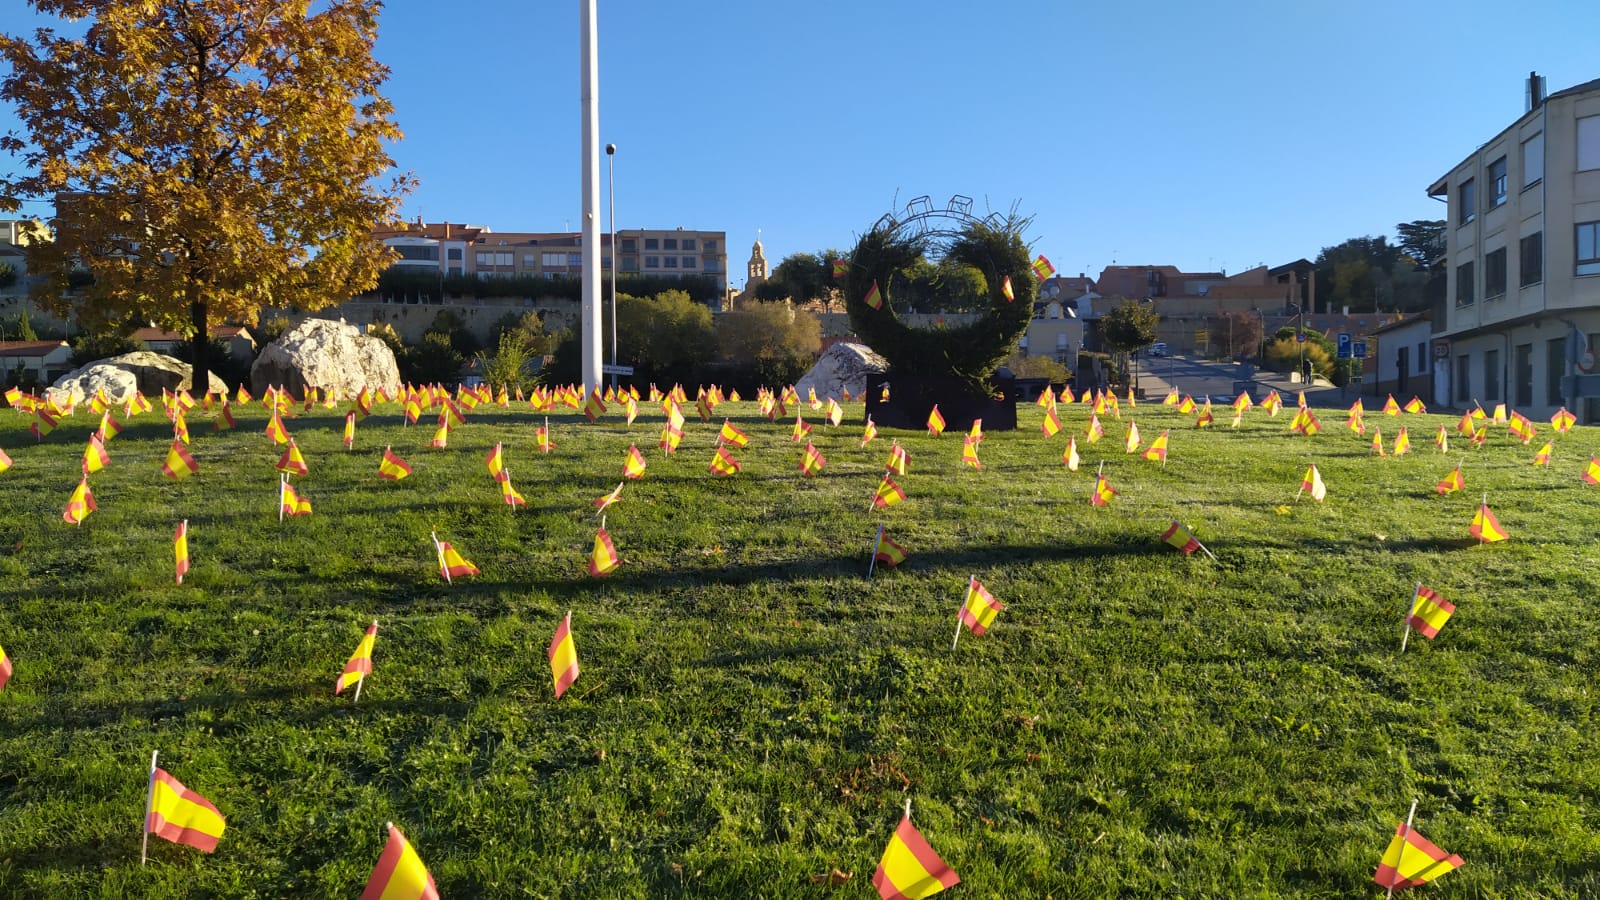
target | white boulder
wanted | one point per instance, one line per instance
(143, 371)
(325, 354)
(843, 366)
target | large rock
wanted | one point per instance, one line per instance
(842, 367)
(324, 354)
(150, 373)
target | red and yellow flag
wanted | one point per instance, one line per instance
(291, 461)
(1131, 443)
(1402, 443)
(869, 432)
(1441, 439)
(841, 268)
(1521, 427)
(812, 461)
(1172, 398)
(889, 553)
(1452, 482)
(5, 461)
(510, 494)
(5, 668)
(979, 609)
(109, 427)
(1186, 405)
(723, 463)
(1542, 458)
(360, 664)
(43, 424)
(350, 430)
(1485, 527)
(179, 464)
(899, 460)
(1272, 404)
(392, 467)
(1069, 456)
(1415, 405)
(180, 549)
(633, 465)
(1006, 291)
(1042, 269)
(290, 503)
(615, 496)
(95, 456)
(80, 504)
(1096, 431)
(275, 429)
(441, 435)
(909, 869)
(1157, 452)
(1391, 408)
(563, 657)
(224, 420)
(969, 454)
(1181, 538)
(1429, 612)
(451, 563)
(1591, 472)
(1499, 416)
(541, 437)
(935, 422)
(801, 428)
(731, 435)
(182, 816)
(603, 558)
(496, 463)
(1103, 492)
(1412, 860)
(1562, 421)
(400, 874)
(888, 493)
(1051, 426)
(1312, 484)
(874, 296)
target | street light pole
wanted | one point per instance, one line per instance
(611, 195)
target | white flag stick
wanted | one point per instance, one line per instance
(360, 680)
(1407, 634)
(876, 545)
(908, 807)
(439, 549)
(149, 803)
(1404, 833)
(971, 580)
(282, 480)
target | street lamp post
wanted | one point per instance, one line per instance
(611, 194)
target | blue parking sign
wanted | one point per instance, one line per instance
(1360, 349)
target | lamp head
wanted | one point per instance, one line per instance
(611, 149)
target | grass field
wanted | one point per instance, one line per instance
(753, 711)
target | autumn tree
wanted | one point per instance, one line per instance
(206, 159)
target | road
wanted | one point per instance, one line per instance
(1200, 378)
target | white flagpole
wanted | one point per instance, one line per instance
(971, 580)
(908, 807)
(509, 488)
(438, 548)
(149, 802)
(1098, 475)
(876, 545)
(1407, 635)
(283, 478)
(1404, 833)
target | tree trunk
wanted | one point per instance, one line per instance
(201, 381)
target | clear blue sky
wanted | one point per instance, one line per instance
(1200, 135)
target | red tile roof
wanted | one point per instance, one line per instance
(30, 348)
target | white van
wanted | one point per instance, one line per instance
(1159, 348)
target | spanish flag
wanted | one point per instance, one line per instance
(630, 409)
(1429, 612)
(969, 454)
(350, 430)
(603, 558)
(1131, 444)
(723, 462)
(1562, 421)
(541, 437)
(1402, 443)
(290, 503)
(496, 463)
(563, 656)
(1391, 408)
(835, 412)
(1181, 538)
(1416, 405)
(874, 296)
(888, 493)
(614, 497)
(1006, 291)
(1272, 404)
(731, 435)
(441, 435)
(452, 565)
(224, 420)
(1051, 426)
(935, 422)
(889, 553)
(869, 432)
(1042, 269)
(275, 429)
(1186, 405)
(180, 428)
(95, 456)
(360, 664)
(5, 668)
(1157, 451)
(179, 464)
(840, 268)
(5, 461)
(180, 549)
(181, 815)
(1047, 398)
(1377, 442)
(1451, 482)
(801, 428)
(979, 609)
(1070, 455)
(400, 873)
(1096, 430)
(1412, 860)
(510, 494)
(80, 504)
(291, 461)
(1312, 484)
(1441, 439)
(899, 460)
(1542, 458)
(109, 427)
(909, 869)
(1521, 427)
(1464, 427)
(392, 467)
(1591, 472)
(812, 461)
(43, 424)
(1485, 527)
(633, 464)
(1103, 492)
(1172, 398)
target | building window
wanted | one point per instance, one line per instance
(1588, 248)
(669, 244)
(1491, 376)
(1465, 290)
(1524, 359)
(710, 246)
(485, 259)
(1530, 269)
(430, 254)
(1494, 274)
(1533, 160)
(688, 262)
(575, 259)
(1463, 391)
(710, 265)
(629, 245)
(551, 260)
(1588, 143)
(652, 262)
(1497, 182)
(672, 262)
(688, 243)
(1555, 366)
(652, 244)
(1422, 357)
(630, 264)
(1468, 201)
(453, 254)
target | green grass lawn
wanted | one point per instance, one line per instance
(753, 711)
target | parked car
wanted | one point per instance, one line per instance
(1159, 348)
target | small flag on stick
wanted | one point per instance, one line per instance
(180, 549)
(360, 664)
(399, 872)
(1411, 860)
(177, 814)
(563, 656)
(909, 867)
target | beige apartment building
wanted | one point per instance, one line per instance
(1521, 317)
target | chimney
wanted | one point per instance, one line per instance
(447, 229)
(1533, 96)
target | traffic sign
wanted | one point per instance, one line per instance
(1344, 345)
(1360, 349)
(616, 370)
